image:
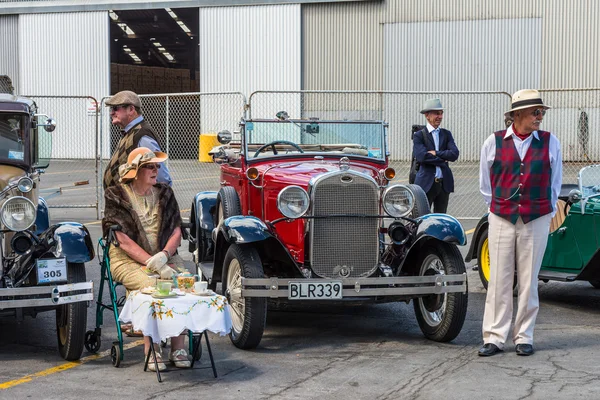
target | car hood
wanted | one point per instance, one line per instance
(8, 172)
(301, 172)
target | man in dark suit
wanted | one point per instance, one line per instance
(434, 147)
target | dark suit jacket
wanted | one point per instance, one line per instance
(448, 152)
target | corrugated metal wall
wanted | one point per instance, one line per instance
(66, 55)
(249, 48)
(460, 55)
(9, 44)
(343, 43)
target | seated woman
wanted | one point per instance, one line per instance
(150, 233)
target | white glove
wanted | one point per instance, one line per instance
(157, 261)
(167, 272)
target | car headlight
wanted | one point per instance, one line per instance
(25, 184)
(293, 201)
(398, 201)
(18, 213)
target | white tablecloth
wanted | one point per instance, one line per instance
(165, 318)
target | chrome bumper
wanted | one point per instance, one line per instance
(40, 296)
(364, 287)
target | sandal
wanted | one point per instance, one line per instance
(179, 357)
(131, 333)
(159, 360)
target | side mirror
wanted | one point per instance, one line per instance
(49, 125)
(574, 196)
(224, 137)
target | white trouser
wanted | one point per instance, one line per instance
(521, 245)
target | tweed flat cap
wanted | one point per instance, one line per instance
(124, 97)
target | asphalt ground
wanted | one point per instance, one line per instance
(364, 352)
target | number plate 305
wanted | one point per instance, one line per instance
(51, 270)
(315, 290)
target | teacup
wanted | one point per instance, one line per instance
(200, 287)
(164, 288)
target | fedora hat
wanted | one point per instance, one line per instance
(124, 97)
(526, 98)
(432, 105)
(137, 158)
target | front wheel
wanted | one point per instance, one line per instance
(71, 319)
(248, 315)
(441, 316)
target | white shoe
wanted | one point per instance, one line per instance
(179, 357)
(159, 360)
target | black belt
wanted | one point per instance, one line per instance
(438, 180)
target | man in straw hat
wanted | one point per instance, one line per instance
(126, 113)
(433, 148)
(520, 177)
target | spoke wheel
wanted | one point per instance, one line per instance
(441, 316)
(71, 319)
(248, 315)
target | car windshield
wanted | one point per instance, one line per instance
(291, 137)
(12, 137)
(589, 181)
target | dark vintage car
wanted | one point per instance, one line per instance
(573, 247)
(42, 265)
(307, 213)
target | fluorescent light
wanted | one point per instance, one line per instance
(168, 56)
(157, 44)
(125, 28)
(162, 49)
(184, 27)
(113, 15)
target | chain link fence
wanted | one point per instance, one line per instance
(71, 179)
(179, 120)
(6, 85)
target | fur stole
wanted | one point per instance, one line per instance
(118, 210)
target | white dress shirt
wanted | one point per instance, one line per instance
(488, 153)
(435, 133)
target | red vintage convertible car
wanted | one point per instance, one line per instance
(307, 212)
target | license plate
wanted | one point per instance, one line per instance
(315, 290)
(51, 270)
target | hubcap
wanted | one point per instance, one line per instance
(234, 296)
(433, 307)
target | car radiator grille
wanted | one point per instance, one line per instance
(344, 241)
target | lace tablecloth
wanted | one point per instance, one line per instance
(165, 318)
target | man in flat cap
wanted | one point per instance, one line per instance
(434, 147)
(520, 176)
(126, 113)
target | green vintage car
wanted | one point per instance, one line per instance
(574, 238)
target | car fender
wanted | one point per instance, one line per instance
(244, 229)
(479, 229)
(71, 240)
(443, 227)
(42, 218)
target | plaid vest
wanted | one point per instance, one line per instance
(521, 188)
(126, 145)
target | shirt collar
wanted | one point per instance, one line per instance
(134, 123)
(510, 132)
(430, 128)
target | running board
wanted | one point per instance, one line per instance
(557, 276)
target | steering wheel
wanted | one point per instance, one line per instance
(273, 143)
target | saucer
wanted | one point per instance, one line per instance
(204, 294)
(157, 295)
(148, 290)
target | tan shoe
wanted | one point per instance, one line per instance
(159, 360)
(179, 357)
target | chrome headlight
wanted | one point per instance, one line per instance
(293, 201)
(25, 184)
(398, 201)
(18, 213)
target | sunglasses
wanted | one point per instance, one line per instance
(116, 108)
(538, 112)
(151, 166)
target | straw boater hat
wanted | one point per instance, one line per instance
(432, 105)
(525, 98)
(124, 97)
(137, 158)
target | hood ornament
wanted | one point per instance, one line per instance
(344, 163)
